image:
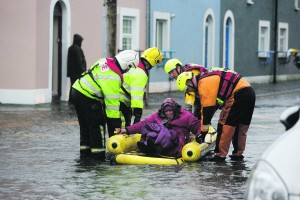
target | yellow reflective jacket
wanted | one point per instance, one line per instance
(132, 92)
(102, 82)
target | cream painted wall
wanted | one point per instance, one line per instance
(18, 44)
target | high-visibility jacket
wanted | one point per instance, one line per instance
(214, 88)
(132, 92)
(102, 82)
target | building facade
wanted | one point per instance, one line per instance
(249, 36)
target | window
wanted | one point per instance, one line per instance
(127, 33)
(264, 36)
(129, 29)
(161, 31)
(208, 38)
(283, 32)
(228, 40)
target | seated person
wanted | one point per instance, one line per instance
(166, 131)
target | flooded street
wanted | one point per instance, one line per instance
(39, 149)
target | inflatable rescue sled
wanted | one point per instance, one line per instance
(125, 150)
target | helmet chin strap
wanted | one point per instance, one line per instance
(179, 69)
(118, 65)
(194, 86)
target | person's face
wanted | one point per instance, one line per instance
(169, 113)
(174, 73)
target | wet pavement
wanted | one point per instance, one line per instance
(39, 149)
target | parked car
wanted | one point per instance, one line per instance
(277, 172)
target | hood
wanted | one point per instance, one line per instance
(77, 39)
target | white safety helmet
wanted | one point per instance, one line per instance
(127, 59)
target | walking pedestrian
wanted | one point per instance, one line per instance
(96, 99)
(230, 92)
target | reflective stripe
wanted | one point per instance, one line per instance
(84, 147)
(137, 98)
(125, 85)
(137, 88)
(124, 97)
(97, 150)
(112, 96)
(108, 77)
(220, 102)
(112, 107)
(95, 90)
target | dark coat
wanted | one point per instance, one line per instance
(76, 59)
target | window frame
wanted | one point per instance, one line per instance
(229, 15)
(282, 50)
(133, 14)
(166, 19)
(263, 52)
(208, 59)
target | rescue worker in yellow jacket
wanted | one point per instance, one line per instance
(133, 88)
(174, 68)
(96, 99)
(228, 91)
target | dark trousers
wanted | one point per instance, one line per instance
(91, 117)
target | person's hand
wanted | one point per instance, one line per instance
(117, 130)
(123, 131)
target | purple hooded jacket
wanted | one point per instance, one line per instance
(183, 124)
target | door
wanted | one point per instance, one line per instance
(57, 53)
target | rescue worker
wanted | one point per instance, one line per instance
(177, 120)
(174, 67)
(228, 91)
(96, 100)
(133, 88)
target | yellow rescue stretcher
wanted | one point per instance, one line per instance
(124, 148)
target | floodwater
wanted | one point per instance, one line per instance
(39, 149)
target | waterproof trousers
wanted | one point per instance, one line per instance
(234, 121)
(91, 118)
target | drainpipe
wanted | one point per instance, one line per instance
(104, 32)
(275, 40)
(148, 3)
(111, 24)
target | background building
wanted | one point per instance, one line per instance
(249, 36)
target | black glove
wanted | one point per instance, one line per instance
(201, 137)
(137, 113)
(136, 119)
(112, 124)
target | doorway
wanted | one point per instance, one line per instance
(57, 53)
